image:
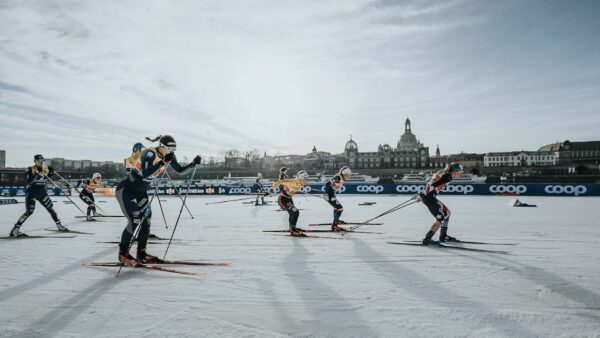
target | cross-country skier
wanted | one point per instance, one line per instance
(136, 151)
(429, 197)
(37, 178)
(287, 188)
(332, 185)
(87, 193)
(132, 194)
(259, 189)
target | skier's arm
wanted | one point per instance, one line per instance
(180, 168)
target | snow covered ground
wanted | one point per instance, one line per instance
(549, 286)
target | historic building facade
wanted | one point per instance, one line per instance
(573, 153)
(409, 153)
(519, 159)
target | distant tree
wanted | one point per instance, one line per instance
(229, 156)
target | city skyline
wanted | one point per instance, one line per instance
(283, 77)
(219, 157)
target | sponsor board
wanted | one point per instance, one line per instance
(566, 189)
(452, 189)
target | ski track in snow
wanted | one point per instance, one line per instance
(277, 286)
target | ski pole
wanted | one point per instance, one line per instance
(56, 185)
(412, 200)
(139, 226)
(178, 194)
(161, 208)
(234, 200)
(180, 211)
(79, 192)
(159, 202)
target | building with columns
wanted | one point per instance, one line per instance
(408, 153)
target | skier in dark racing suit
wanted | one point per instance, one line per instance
(438, 209)
(132, 194)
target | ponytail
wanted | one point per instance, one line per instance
(153, 139)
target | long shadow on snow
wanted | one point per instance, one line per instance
(551, 281)
(284, 316)
(436, 294)
(58, 318)
(32, 284)
(331, 312)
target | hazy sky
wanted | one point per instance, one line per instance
(87, 79)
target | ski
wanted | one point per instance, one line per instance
(34, 236)
(341, 223)
(322, 230)
(469, 242)
(194, 263)
(438, 245)
(155, 240)
(148, 267)
(71, 231)
(99, 216)
(118, 242)
(309, 236)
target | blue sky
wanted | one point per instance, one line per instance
(86, 80)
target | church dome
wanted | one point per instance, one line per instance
(408, 140)
(351, 145)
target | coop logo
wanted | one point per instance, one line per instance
(515, 189)
(339, 191)
(566, 189)
(239, 191)
(306, 189)
(370, 188)
(410, 188)
(170, 191)
(462, 189)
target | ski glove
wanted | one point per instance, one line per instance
(146, 212)
(197, 159)
(168, 157)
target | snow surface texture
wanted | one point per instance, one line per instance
(281, 286)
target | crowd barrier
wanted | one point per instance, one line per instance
(536, 189)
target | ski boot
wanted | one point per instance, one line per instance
(61, 227)
(446, 238)
(90, 218)
(126, 259)
(16, 232)
(336, 228)
(429, 241)
(145, 258)
(295, 232)
(429, 238)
